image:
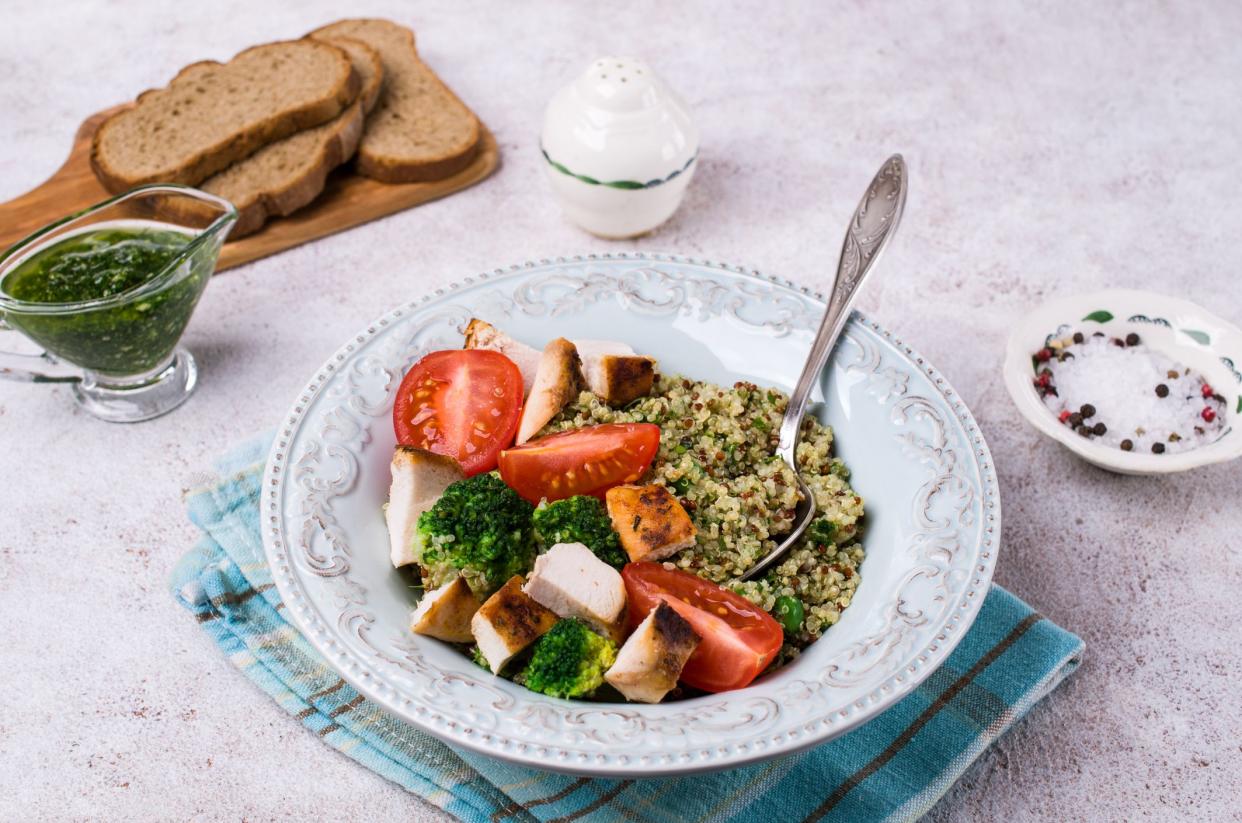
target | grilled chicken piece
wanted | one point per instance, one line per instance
(419, 478)
(650, 662)
(557, 383)
(508, 622)
(621, 379)
(614, 372)
(610, 369)
(651, 522)
(571, 581)
(483, 335)
(445, 613)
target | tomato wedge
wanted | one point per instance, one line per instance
(464, 404)
(583, 461)
(739, 639)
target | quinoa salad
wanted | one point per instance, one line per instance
(580, 523)
(718, 455)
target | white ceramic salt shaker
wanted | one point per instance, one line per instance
(620, 148)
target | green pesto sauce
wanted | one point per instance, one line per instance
(130, 335)
(94, 265)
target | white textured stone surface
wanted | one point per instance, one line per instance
(1071, 148)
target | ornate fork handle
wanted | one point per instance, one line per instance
(874, 222)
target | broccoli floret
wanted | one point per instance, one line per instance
(569, 661)
(582, 520)
(476, 656)
(479, 529)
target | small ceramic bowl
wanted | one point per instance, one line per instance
(620, 148)
(1177, 328)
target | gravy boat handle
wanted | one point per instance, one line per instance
(35, 368)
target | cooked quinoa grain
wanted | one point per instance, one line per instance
(718, 456)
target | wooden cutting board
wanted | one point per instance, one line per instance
(348, 200)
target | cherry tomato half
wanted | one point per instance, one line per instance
(583, 461)
(463, 403)
(739, 639)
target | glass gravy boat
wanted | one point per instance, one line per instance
(120, 352)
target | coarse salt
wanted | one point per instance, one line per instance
(1121, 382)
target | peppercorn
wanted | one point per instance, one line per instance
(1043, 355)
(1087, 410)
(1064, 415)
(1099, 429)
(1118, 342)
(1132, 339)
(1075, 419)
(1157, 448)
(1175, 438)
(1206, 390)
(1078, 338)
(1085, 431)
(1173, 374)
(1162, 390)
(1208, 414)
(1127, 445)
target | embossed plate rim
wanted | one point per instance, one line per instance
(946, 632)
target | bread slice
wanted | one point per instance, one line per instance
(286, 175)
(213, 114)
(369, 65)
(420, 130)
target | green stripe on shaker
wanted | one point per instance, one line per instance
(616, 184)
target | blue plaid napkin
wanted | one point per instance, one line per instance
(893, 768)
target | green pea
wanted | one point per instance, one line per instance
(789, 613)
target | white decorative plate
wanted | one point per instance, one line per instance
(917, 456)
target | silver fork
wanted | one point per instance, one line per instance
(874, 222)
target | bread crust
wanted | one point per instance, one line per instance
(202, 163)
(387, 170)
